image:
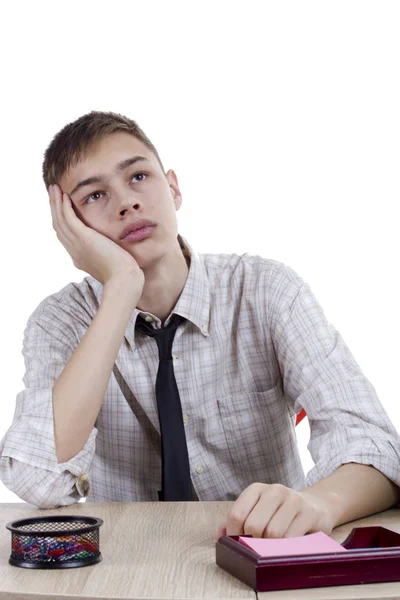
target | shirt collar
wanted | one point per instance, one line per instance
(193, 303)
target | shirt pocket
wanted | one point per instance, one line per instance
(257, 428)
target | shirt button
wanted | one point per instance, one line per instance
(174, 358)
(199, 469)
(185, 418)
(204, 328)
(148, 318)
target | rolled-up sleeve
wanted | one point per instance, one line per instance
(347, 420)
(28, 461)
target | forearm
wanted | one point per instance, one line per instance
(354, 491)
(79, 391)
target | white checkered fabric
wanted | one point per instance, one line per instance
(255, 348)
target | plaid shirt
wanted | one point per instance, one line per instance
(255, 348)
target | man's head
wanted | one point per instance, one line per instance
(92, 147)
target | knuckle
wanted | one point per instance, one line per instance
(256, 485)
(294, 498)
(272, 532)
(235, 517)
(276, 490)
(252, 529)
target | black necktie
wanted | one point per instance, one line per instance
(176, 482)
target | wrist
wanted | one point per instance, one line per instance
(122, 288)
(329, 504)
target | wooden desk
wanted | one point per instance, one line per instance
(158, 550)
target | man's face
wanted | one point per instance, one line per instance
(139, 191)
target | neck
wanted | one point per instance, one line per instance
(164, 282)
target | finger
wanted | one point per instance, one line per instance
(278, 525)
(67, 222)
(51, 198)
(51, 202)
(221, 532)
(71, 216)
(271, 499)
(65, 231)
(242, 508)
(54, 207)
(59, 220)
(299, 526)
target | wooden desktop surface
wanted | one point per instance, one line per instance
(158, 550)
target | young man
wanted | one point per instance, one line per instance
(253, 347)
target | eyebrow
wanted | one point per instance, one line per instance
(101, 178)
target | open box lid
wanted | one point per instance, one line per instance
(373, 556)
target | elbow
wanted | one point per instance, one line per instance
(41, 488)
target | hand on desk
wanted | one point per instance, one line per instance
(274, 511)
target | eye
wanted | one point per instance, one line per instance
(85, 201)
(139, 173)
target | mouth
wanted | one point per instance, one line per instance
(139, 234)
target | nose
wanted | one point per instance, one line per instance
(125, 204)
(124, 210)
(124, 200)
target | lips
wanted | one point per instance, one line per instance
(135, 225)
(139, 234)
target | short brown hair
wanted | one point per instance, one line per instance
(70, 145)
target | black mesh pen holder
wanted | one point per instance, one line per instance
(55, 542)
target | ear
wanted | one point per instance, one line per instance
(175, 191)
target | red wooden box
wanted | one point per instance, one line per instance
(373, 556)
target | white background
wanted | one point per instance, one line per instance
(280, 119)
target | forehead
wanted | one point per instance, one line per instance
(102, 158)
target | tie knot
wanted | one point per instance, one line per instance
(164, 336)
(146, 328)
